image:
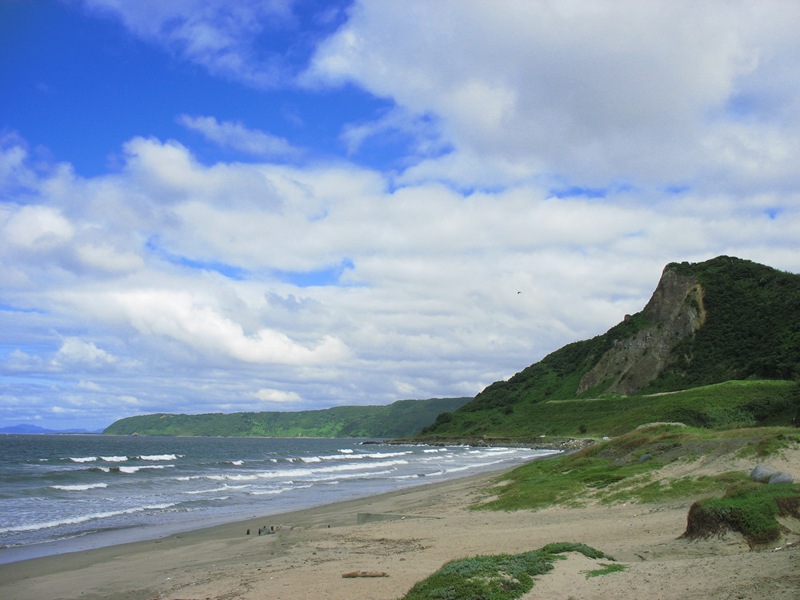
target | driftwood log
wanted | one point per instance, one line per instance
(364, 574)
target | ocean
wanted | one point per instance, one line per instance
(61, 493)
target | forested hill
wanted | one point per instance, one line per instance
(707, 323)
(399, 419)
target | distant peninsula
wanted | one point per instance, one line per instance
(399, 419)
(27, 429)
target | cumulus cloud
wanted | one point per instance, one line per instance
(588, 91)
(37, 228)
(562, 154)
(278, 396)
(422, 129)
(41, 239)
(79, 354)
(235, 135)
(215, 34)
(104, 257)
(177, 316)
(164, 173)
(429, 305)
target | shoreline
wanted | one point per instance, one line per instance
(91, 529)
(413, 533)
(48, 571)
(151, 534)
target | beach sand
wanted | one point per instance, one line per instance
(411, 534)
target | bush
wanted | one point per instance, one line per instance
(750, 509)
(499, 577)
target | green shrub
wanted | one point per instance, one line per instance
(564, 547)
(750, 509)
(498, 577)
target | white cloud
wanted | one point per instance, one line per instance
(89, 386)
(183, 286)
(37, 228)
(160, 174)
(215, 34)
(235, 135)
(421, 128)
(103, 257)
(592, 92)
(19, 361)
(177, 316)
(14, 174)
(41, 239)
(278, 396)
(78, 354)
(429, 308)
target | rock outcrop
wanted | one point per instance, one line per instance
(762, 473)
(766, 474)
(675, 311)
(781, 477)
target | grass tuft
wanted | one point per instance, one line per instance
(497, 577)
(771, 445)
(750, 509)
(607, 568)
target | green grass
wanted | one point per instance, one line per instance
(771, 445)
(649, 492)
(497, 577)
(625, 468)
(607, 568)
(750, 509)
(729, 405)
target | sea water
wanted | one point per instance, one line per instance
(61, 493)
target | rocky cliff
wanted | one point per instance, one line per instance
(707, 324)
(674, 312)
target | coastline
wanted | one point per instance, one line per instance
(102, 492)
(414, 531)
(95, 571)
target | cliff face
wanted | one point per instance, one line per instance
(675, 311)
(721, 320)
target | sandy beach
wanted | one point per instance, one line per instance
(402, 537)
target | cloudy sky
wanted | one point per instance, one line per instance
(226, 206)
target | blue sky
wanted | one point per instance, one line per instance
(294, 204)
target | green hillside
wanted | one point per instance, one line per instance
(743, 324)
(400, 419)
(753, 328)
(747, 403)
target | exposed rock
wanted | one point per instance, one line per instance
(781, 477)
(762, 473)
(676, 310)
